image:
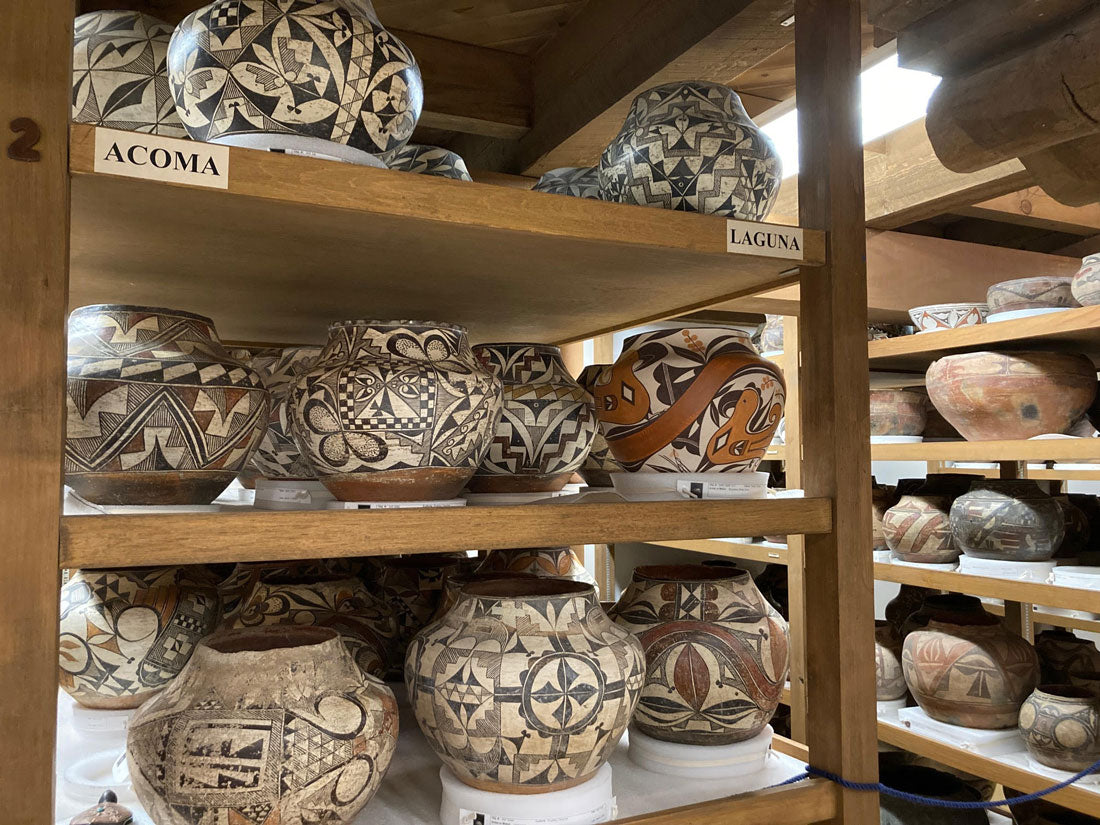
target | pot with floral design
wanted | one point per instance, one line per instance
(395, 411)
(690, 400)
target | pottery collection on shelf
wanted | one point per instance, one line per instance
(157, 411)
(1007, 519)
(395, 411)
(524, 686)
(690, 400)
(918, 527)
(546, 426)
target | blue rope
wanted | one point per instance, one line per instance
(932, 801)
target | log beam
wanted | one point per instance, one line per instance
(1035, 208)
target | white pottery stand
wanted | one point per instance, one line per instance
(890, 707)
(741, 759)
(589, 803)
(99, 737)
(948, 567)
(985, 742)
(506, 499)
(882, 556)
(1027, 571)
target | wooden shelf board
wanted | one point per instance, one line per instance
(1052, 449)
(251, 535)
(1017, 779)
(814, 800)
(1047, 595)
(1075, 330)
(731, 548)
(296, 242)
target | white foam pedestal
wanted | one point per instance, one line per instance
(890, 707)
(1027, 571)
(985, 742)
(291, 494)
(506, 499)
(1059, 775)
(949, 566)
(897, 439)
(589, 803)
(734, 761)
(99, 737)
(393, 505)
(882, 556)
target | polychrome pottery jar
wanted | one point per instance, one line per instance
(898, 412)
(236, 587)
(395, 411)
(365, 623)
(278, 455)
(969, 670)
(1035, 293)
(690, 400)
(989, 396)
(918, 528)
(1086, 283)
(1063, 655)
(427, 160)
(120, 74)
(455, 580)
(889, 679)
(691, 146)
(105, 812)
(1061, 727)
(550, 562)
(524, 686)
(948, 316)
(716, 653)
(157, 412)
(265, 725)
(125, 634)
(1007, 519)
(600, 463)
(547, 426)
(294, 75)
(575, 181)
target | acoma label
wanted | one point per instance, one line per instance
(161, 158)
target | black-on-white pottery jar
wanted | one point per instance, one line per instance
(691, 146)
(316, 77)
(576, 181)
(120, 77)
(427, 160)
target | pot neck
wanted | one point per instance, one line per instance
(1014, 487)
(293, 669)
(550, 612)
(520, 363)
(426, 341)
(705, 341)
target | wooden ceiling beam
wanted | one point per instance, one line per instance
(1035, 208)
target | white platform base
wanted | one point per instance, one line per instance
(701, 761)
(949, 566)
(1025, 571)
(882, 556)
(309, 147)
(897, 439)
(890, 707)
(505, 499)
(290, 494)
(393, 505)
(1059, 775)
(985, 742)
(1012, 315)
(643, 486)
(99, 737)
(586, 804)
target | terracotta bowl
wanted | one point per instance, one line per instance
(948, 316)
(1039, 292)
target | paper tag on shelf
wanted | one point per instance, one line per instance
(138, 155)
(716, 489)
(602, 813)
(769, 240)
(285, 494)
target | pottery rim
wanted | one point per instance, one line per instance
(174, 313)
(931, 307)
(682, 573)
(1075, 694)
(547, 348)
(395, 323)
(537, 588)
(267, 638)
(746, 338)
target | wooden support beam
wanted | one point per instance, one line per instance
(895, 15)
(1034, 207)
(839, 584)
(35, 77)
(1070, 171)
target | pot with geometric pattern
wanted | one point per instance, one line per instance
(918, 528)
(716, 653)
(549, 562)
(1007, 519)
(889, 679)
(278, 455)
(158, 412)
(1061, 727)
(600, 463)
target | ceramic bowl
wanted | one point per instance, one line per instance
(1039, 292)
(948, 316)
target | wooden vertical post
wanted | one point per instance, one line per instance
(796, 555)
(835, 422)
(35, 84)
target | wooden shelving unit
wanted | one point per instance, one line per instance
(1043, 449)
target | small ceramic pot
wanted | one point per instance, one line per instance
(157, 411)
(694, 623)
(951, 607)
(990, 396)
(547, 425)
(898, 412)
(1039, 292)
(1061, 727)
(550, 562)
(1078, 530)
(395, 411)
(126, 634)
(278, 455)
(973, 672)
(918, 527)
(267, 724)
(1086, 283)
(889, 679)
(948, 316)
(346, 81)
(927, 782)
(427, 160)
(883, 497)
(690, 400)
(120, 74)
(364, 622)
(691, 146)
(575, 181)
(1007, 519)
(524, 686)
(600, 463)
(905, 604)
(1062, 654)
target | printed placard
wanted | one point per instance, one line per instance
(606, 810)
(769, 240)
(137, 155)
(718, 489)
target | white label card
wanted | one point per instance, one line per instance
(602, 813)
(137, 155)
(769, 240)
(715, 489)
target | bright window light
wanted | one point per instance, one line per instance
(891, 98)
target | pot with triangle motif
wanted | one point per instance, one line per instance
(278, 455)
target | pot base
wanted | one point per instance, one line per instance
(518, 484)
(154, 487)
(418, 484)
(492, 792)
